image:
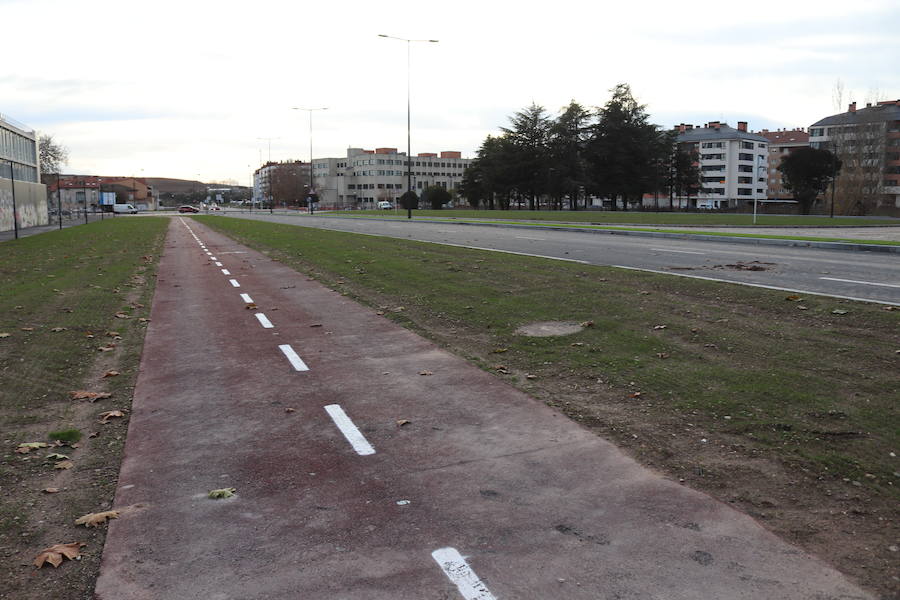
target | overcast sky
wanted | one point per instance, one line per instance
(185, 89)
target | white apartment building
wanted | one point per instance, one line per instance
(365, 177)
(732, 164)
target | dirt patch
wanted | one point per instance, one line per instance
(549, 329)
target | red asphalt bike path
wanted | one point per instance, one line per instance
(484, 494)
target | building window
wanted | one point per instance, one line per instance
(747, 145)
(745, 156)
(745, 168)
(745, 180)
(745, 191)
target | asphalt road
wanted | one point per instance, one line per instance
(860, 275)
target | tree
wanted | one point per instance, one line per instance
(528, 137)
(52, 155)
(409, 200)
(807, 172)
(287, 184)
(437, 196)
(684, 175)
(567, 137)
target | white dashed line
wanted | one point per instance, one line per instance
(678, 251)
(234, 282)
(891, 285)
(296, 361)
(218, 264)
(246, 298)
(461, 574)
(350, 431)
(264, 321)
(226, 272)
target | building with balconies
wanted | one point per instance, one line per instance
(732, 164)
(867, 140)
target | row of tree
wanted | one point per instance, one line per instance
(611, 152)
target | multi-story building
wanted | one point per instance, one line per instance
(365, 177)
(781, 143)
(732, 164)
(20, 178)
(868, 143)
(284, 182)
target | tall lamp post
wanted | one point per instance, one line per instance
(12, 179)
(408, 135)
(312, 187)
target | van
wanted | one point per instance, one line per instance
(124, 209)
(385, 205)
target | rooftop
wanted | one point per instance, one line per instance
(886, 110)
(717, 131)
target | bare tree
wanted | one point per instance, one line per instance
(53, 155)
(860, 146)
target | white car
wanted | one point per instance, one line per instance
(385, 205)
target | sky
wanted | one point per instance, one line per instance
(205, 90)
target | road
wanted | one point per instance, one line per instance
(860, 275)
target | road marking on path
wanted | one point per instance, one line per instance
(246, 298)
(890, 285)
(234, 252)
(759, 285)
(226, 272)
(264, 320)
(234, 282)
(522, 237)
(678, 251)
(350, 431)
(292, 356)
(218, 264)
(214, 258)
(461, 574)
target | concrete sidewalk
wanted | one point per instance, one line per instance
(369, 464)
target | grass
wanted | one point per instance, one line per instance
(642, 218)
(807, 386)
(61, 291)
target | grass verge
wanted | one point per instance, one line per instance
(641, 218)
(784, 407)
(59, 303)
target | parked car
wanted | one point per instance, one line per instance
(188, 209)
(385, 205)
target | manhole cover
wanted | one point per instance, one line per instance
(549, 328)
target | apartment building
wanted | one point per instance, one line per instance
(281, 182)
(23, 199)
(781, 143)
(867, 140)
(365, 177)
(732, 164)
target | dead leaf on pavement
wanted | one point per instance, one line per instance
(57, 456)
(290, 410)
(499, 350)
(58, 329)
(108, 348)
(121, 315)
(50, 490)
(662, 355)
(402, 422)
(27, 447)
(425, 373)
(63, 465)
(111, 374)
(587, 324)
(635, 395)
(95, 519)
(530, 376)
(106, 416)
(55, 553)
(113, 333)
(251, 306)
(92, 396)
(885, 308)
(794, 298)
(221, 493)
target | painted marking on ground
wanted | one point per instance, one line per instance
(264, 320)
(890, 285)
(226, 272)
(678, 251)
(234, 282)
(234, 252)
(350, 431)
(759, 285)
(461, 574)
(246, 298)
(522, 237)
(292, 356)
(214, 258)
(218, 264)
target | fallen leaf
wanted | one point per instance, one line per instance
(290, 410)
(93, 434)
(635, 395)
(499, 350)
(27, 447)
(530, 376)
(402, 422)
(58, 329)
(501, 369)
(111, 374)
(793, 298)
(662, 355)
(645, 293)
(4, 335)
(659, 327)
(885, 308)
(109, 348)
(839, 311)
(121, 315)
(113, 333)
(50, 490)
(95, 519)
(587, 324)
(399, 309)
(221, 493)
(27, 328)
(55, 553)
(801, 307)
(92, 396)
(65, 464)
(143, 320)
(379, 313)
(251, 306)
(425, 373)
(316, 325)
(57, 456)
(106, 416)
(577, 344)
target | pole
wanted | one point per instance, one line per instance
(58, 199)
(408, 138)
(12, 178)
(85, 200)
(311, 187)
(833, 179)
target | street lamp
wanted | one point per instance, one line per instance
(312, 187)
(408, 136)
(12, 178)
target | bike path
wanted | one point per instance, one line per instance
(368, 463)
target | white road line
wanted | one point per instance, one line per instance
(350, 431)
(214, 258)
(218, 264)
(890, 285)
(234, 282)
(461, 574)
(226, 272)
(759, 285)
(246, 298)
(234, 252)
(264, 321)
(522, 237)
(678, 251)
(296, 361)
